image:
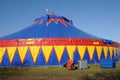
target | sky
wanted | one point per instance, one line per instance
(97, 17)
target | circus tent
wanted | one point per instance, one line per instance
(52, 40)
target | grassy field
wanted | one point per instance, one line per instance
(94, 72)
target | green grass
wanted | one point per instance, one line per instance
(94, 72)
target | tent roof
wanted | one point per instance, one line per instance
(50, 26)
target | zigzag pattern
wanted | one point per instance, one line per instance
(55, 54)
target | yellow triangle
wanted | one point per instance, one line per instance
(34, 52)
(91, 50)
(105, 49)
(59, 52)
(2, 52)
(71, 50)
(11, 53)
(81, 51)
(22, 52)
(115, 52)
(47, 52)
(99, 51)
(111, 51)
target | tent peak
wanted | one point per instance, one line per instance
(51, 17)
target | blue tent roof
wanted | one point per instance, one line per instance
(50, 26)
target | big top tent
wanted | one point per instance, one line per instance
(52, 40)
